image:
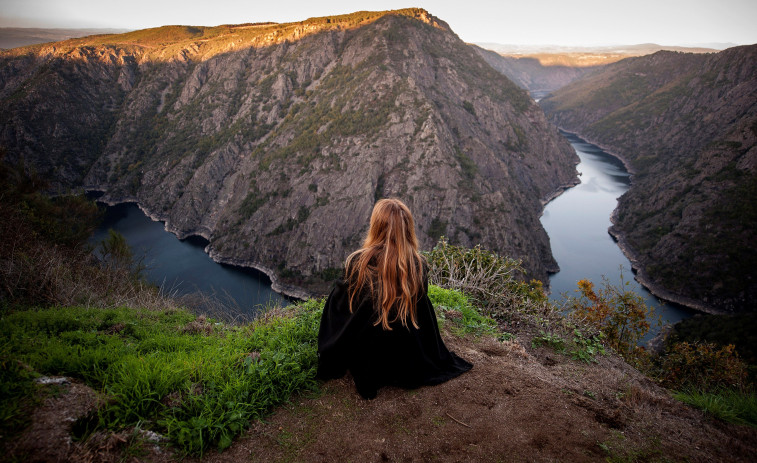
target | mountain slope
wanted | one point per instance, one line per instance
(687, 126)
(274, 140)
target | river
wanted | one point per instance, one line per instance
(182, 267)
(577, 223)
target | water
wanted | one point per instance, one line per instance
(183, 267)
(577, 223)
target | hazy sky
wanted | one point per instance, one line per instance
(561, 22)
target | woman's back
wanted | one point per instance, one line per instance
(378, 322)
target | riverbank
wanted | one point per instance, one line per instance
(290, 291)
(641, 276)
(626, 249)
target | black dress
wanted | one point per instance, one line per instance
(407, 357)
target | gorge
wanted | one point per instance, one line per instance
(686, 127)
(272, 141)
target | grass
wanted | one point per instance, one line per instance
(196, 381)
(728, 405)
(455, 312)
(198, 387)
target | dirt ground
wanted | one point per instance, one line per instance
(515, 405)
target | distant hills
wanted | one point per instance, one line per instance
(12, 37)
(686, 125)
(543, 69)
(274, 140)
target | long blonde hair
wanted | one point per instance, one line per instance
(388, 264)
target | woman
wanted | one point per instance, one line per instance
(378, 322)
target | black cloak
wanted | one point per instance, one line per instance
(407, 357)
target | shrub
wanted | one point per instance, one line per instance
(620, 315)
(703, 366)
(491, 281)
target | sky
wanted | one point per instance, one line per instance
(525, 22)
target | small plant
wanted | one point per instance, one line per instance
(586, 348)
(553, 341)
(727, 405)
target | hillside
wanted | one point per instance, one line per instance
(517, 404)
(98, 366)
(273, 141)
(686, 125)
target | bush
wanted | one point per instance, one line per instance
(494, 283)
(620, 315)
(702, 366)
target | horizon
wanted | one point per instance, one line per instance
(583, 23)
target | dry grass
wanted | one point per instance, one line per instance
(35, 272)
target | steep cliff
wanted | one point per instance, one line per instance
(687, 127)
(274, 140)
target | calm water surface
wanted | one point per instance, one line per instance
(577, 223)
(183, 267)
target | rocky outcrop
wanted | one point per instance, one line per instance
(686, 125)
(274, 140)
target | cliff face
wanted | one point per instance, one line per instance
(274, 140)
(687, 127)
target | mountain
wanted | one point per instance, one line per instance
(273, 141)
(542, 69)
(686, 126)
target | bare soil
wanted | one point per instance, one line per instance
(515, 405)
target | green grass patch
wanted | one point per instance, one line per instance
(727, 405)
(454, 310)
(195, 381)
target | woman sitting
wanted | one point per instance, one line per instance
(378, 322)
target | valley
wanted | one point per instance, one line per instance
(273, 141)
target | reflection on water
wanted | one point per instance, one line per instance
(182, 266)
(577, 223)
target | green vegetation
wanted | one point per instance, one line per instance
(619, 314)
(195, 381)
(200, 382)
(456, 313)
(727, 405)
